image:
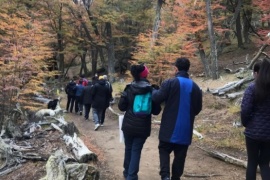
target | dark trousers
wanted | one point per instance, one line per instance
(70, 103)
(258, 153)
(87, 108)
(180, 153)
(133, 149)
(103, 116)
(78, 104)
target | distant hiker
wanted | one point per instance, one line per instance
(87, 99)
(84, 80)
(255, 117)
(183, 101)
(78, 97)
(136, 127)
(70, 91)
(108, 84)
(95, 79)
(100, 100)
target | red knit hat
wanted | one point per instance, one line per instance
(144, 73)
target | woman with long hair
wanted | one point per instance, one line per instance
(255, 117)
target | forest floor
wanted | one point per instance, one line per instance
(215, 123)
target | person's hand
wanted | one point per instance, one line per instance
(155, 86)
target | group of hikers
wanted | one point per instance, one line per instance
(85, 94)
(182, 99)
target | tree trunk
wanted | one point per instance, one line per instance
(60, 42)
(94, 55)
(110, 49)
(214, 61)
(204, 61)
(156, 22)
(247, 16)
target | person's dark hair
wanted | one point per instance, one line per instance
(256, 66)
(262, 82)
(135, 71)
(182, 64)
(80, 81)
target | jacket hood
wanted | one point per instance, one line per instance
(102, 82)
(140, 87)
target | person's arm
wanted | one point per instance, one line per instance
(196, 99)
(247, 105)
(123, 102)
(160, 95)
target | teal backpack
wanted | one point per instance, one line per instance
(142, 105)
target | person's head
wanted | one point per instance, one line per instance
(100, 77)
(80, 81)
(182, 64)
(105, 77)
(262, 82)
(139, 71)
(256, 68)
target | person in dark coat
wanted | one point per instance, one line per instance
(111, 90)
(255, 117)
(100, 100)
(87, 99)
(183, 101)
(78, 97)
(69, 89)
(136, 129)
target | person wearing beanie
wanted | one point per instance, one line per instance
(101, 96)
(183, 99)
(136, 129)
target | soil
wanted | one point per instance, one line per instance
(105, 143)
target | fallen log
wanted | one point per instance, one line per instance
(226, 158)
(80, 151)
(58, 168)
(234, 95)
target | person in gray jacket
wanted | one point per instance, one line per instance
(183, 101)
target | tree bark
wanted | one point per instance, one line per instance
(214, 61)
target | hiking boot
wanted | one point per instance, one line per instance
(80, 113)
(96, 127)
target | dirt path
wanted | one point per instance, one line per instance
(105, 143)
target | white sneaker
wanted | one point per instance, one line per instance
(96, 127)
(101, 125)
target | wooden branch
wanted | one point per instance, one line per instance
(234, 95)
(226, 158)
(9, 170)
(257, 56)
(201, 175)
(81, 152)
(56, 127)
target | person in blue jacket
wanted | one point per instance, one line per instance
(78, 97)
(255, 117)
(183, 101)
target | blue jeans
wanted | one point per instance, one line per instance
(97, 114)
(133, 148)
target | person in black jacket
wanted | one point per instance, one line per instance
(70, 91)
(255, 117)
(100, 100)
(183, 101)
(87, 99)
(136, 129)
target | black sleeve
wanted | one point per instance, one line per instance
(123, 102)
(156, 108)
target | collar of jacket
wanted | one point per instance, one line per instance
(182, 74)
